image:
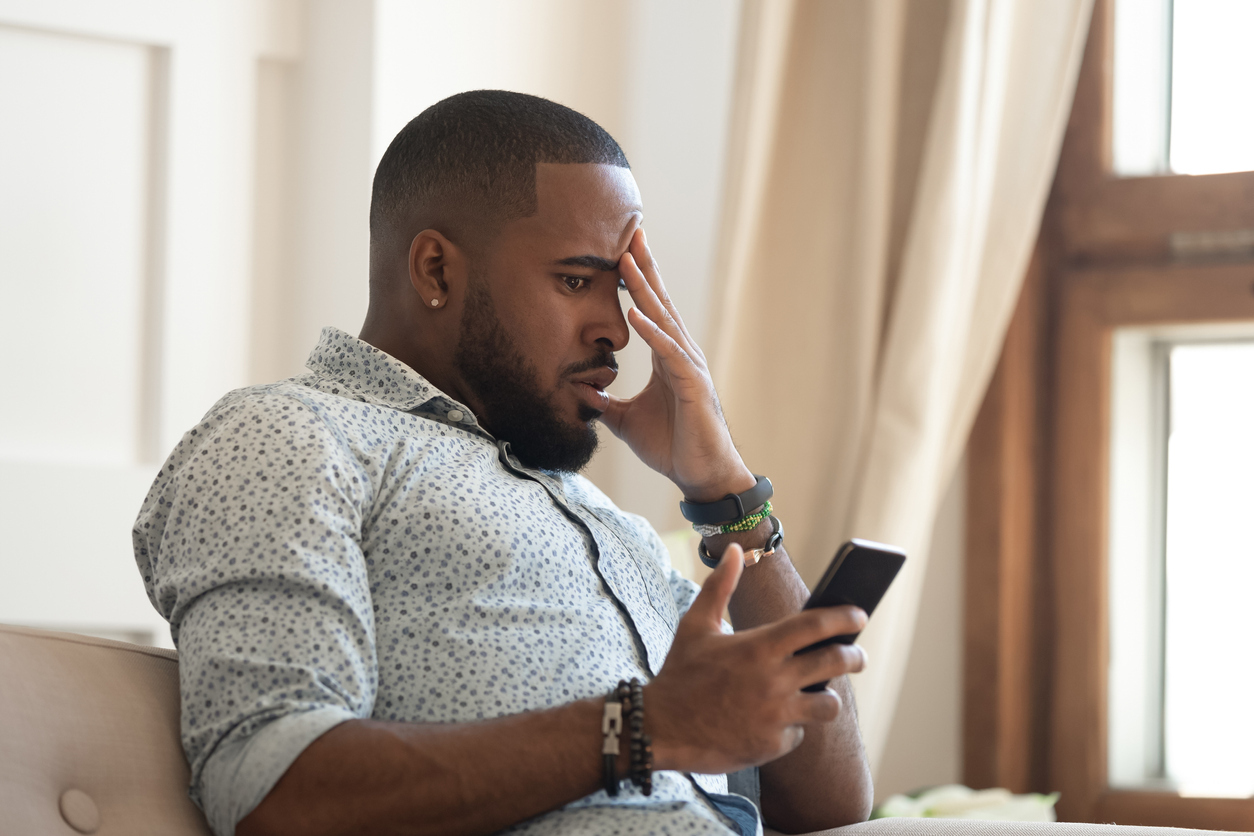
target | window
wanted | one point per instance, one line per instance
(1208, 728)
(1110, 486)
(1182, 75)
(1181, 559)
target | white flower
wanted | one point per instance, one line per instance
(954, 801)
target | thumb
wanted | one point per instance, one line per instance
(613, 415)
(717, 590)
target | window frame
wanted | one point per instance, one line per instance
(1037, 614)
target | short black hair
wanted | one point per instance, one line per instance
(478, 151)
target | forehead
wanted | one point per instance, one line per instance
(588, 209)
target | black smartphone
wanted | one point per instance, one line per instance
(859, 575)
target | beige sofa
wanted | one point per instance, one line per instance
(89, 743)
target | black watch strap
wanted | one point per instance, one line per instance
(731, 507)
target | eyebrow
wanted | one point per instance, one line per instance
(594, 262)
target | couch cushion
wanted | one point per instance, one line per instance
(89, 735)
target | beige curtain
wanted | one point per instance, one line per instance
(889, 168)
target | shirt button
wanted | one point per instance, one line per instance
(455, 415)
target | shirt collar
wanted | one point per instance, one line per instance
(355, 369)
(352, 368)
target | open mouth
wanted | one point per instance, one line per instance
(592, 386)
(594, 394)
(597, 379)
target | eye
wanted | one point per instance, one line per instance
(575, 283)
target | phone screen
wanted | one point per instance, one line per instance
(858, 575)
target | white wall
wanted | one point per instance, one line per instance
(126, 189)
(314, 140)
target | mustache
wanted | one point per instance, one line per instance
(604, 358)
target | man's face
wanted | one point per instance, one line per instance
(542, 317)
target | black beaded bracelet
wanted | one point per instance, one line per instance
(641, 743)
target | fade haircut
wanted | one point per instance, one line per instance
(475, 154)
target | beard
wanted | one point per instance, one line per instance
(508, 385)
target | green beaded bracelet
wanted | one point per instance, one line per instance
(748, 523)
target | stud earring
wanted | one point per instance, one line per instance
(435, 303)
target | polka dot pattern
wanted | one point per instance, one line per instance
(352, 539)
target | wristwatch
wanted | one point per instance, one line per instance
(731, 507)
(752, 556)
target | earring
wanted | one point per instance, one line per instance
(435, 303)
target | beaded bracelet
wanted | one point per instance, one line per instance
(746, 523)
(626, 702)
(641, 743)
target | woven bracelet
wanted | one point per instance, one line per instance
(747, 523)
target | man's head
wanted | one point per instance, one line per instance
(468, 163)
(496, 223)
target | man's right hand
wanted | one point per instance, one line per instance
(726, 702)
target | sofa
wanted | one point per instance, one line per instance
(89, 743)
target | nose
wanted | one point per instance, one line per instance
(609, 326)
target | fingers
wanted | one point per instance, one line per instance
(643, 280)
(649, 266)
(827, 663)
(820, 707)
(717, 590)
(647, 299)
(810, 626)
(679, 362)
(643, 257)
(651, 285)
(792, 738)
(612, 417)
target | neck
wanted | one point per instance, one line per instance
(423, 351)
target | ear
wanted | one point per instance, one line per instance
(435, 263)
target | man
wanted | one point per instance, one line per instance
(398, 607)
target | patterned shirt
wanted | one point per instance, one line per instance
(351, 543)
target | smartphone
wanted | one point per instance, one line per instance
(859, 575)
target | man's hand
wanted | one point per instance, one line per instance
(674, 424)
(723, 703)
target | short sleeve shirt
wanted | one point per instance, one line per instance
(351, 543)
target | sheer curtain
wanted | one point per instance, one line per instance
(890, 164)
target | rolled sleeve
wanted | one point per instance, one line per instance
(249, 543)
(244, 769)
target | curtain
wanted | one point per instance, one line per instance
(888, 171)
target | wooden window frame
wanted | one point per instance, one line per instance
(1037, 622)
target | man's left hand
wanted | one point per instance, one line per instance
(674, 424)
